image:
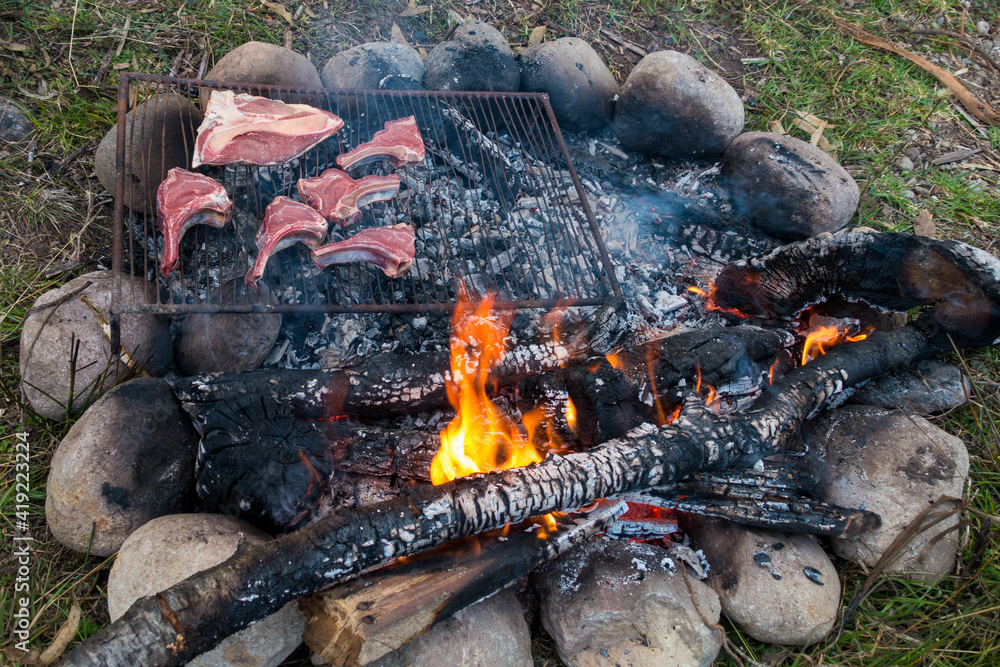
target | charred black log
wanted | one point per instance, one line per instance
(614, 394)
(393, 384)
(954, 281)
(194, 615)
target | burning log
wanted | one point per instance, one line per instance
(187, 619)
(392, 384)
(360, 621)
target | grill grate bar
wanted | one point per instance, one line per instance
(497, 207)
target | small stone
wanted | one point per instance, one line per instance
(59, 320)
(269, 64)
(788, 595)
(160, 133)
(596, 603)
(375, 66)
(172, 548)
(226, 342)
(129, 459)
(477, 57)
(929, 386)
(896, 465)
(580, 86)
(983, 27)
(672, 105)
(490, 632)
(14, 123)
(787, 187)
(904, 163)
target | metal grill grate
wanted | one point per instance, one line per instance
(497, 206)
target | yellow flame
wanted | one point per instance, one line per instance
(570, 413)
(821, 338)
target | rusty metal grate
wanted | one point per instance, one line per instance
(497, 206)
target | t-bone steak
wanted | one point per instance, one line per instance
(398, 142)
(185, 199)
(389, 248)
(339, 198)
(246, 129)
(286, 222)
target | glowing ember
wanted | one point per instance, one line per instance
(710, 303)
(570, 414)
(480, 438)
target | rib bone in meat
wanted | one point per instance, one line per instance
(185, 199)
(286, 222)
(338, 197)
(389, 248)
(398, 142)
(246, 129)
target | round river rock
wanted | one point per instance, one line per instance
(375, 66)
(268, 64)
(477, 57)
(168, 550)
(672, 105)
(787, 187)
(59, 320)
(896, 465)
(780, 589)
(129, 459)
(159, 134)
(581, 88)
(609, 602)
(14, 123)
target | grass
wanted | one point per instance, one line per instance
(55, 219)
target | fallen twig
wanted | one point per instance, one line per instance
(965, 39)
(977, 107)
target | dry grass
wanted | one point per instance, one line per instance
(60, 61)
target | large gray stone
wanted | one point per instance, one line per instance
(14, 123)
(269, 64)
(787, 187)
(172, 548)
(580, 86)
(927, 387)
(129, 459)
(159, 134)
(59, 320)
(477, 57)
(895, 465)
(618, 603)
(780, 589)
(226, 343)
(672, 105)
(375, 66)
(489, 633)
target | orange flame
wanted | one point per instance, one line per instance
(823, 337)
(480, 438)
(710, 303)
(775, 365)
(570, 413)
(615, 360)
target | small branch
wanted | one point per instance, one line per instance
(968, 41)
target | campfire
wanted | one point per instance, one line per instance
(543, 355)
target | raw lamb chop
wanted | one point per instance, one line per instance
(389, 248)
(398, 142)
(183, 200)
(286, 222)
(338, 197)
(246, 129)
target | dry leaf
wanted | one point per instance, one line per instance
(65, 635)
(289, 38)
(413, 11)
(536, 36)
(776, 127)
(397, 35)
(14, 46)
(280, 10)
(423, 52)
(923, 225)
(310, 13)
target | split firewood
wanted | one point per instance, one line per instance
(191, 617)
(360, 621)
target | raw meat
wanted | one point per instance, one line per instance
(286, 222)
(246, 129)
(389, 248)
(183, 200)
(338, 197)
(398, 142)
